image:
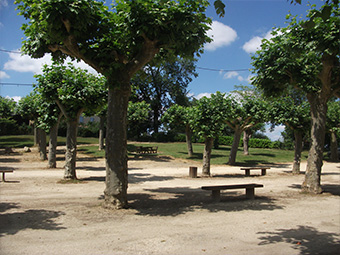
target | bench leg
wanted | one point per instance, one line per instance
(247, 172)
(216, 195)
(250, 193)
(263, 171)
(3, 177)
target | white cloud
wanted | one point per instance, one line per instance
(199, 96)
(276, 134)
(15, 98)
(254, 43)
(24, 63)
(4, 75)
(3, 3)
(229, 75)
(221, 34)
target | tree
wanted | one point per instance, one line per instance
(295, 114)
(7, 107)
(305, 55)
(117, 44)
(73, 90)
(333, 127)
(164, 83)
(243, 114)
(29, 107)
(207, 121)
(179, 117)
(138, 114)
(48, 120)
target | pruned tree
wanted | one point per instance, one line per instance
(29, 107)
(138, 113)
(73, 90)
(207, 121)
(333, 127)
(179, 117)
(116, 43)
(244, 113)
(295, 114)
(305, 55)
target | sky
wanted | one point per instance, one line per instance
(225, 62)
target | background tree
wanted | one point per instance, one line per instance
(178, 118)
(333, 127)
(207, 121)
(28, 107)
(162, 84)
(117, 44)
(138, 114)
(295, 114)
(7, 110)
(243, 114)
(305, 55)
(73, 90)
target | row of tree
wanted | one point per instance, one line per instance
(118, 43)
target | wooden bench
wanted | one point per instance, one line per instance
(247, 169)
(146, 149)
(3, 171)
(216, 190)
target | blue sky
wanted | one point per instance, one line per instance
(236, 37)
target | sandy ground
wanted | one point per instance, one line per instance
(169, 213)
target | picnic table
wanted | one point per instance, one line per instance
(146, 149)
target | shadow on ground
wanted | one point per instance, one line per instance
(306, 239)
(180, 200)
(13, 222)
(333, 189)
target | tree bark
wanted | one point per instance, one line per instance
(234, 147)
(297, 151)
(101, 133)
(208, 144)
(71, 149)
(318, 105)
(334, 148)
(52, 147)
(188, 135)
(246, 136)
(42, 144)
(116, 147)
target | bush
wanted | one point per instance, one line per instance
(8, 126)
(90, 129)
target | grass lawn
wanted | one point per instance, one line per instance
(176, 150)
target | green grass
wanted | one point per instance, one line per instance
(176, 150)
(20, 141)
(219, 156)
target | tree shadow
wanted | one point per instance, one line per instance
(91, 168)
(7, 206)
(12, 223)
(9, 160)
(180, 200)
(199, 155)
(306, 239)
(333, 189)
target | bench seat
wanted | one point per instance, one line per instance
(216, 189)
(247, 170)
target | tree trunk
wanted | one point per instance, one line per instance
(318, 106)
(334, 148)
(188, 135)
(71, 149)
(116, 147)
(52, 147)
(42, 145)
(101, 132)
(297, 151)
(208, 143)
(36, 135)
(234, 147)
(246, 136)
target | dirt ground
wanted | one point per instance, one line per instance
(169, 212)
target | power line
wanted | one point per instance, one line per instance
(15, 84)
(11, 51)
